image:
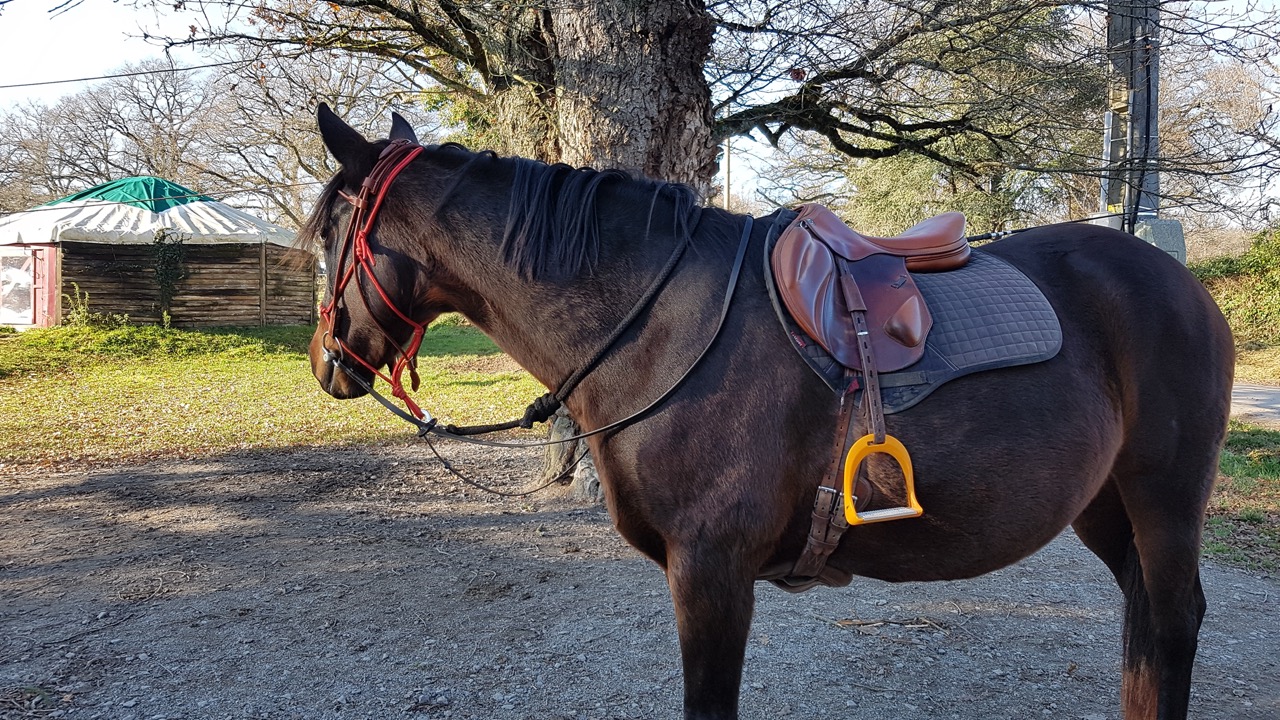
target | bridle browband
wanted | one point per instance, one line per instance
(367, 203)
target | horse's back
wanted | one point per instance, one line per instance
(1145, 315)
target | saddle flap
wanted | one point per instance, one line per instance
(807, 273)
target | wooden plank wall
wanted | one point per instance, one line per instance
(119, 279)
(222, 284)
(291, 286)
(219, 286)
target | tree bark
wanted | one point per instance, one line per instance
(629, 93)
(606, 84)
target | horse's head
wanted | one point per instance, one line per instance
(373, 314)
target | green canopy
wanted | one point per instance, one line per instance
(143, 192)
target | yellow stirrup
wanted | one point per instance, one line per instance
(861, 450)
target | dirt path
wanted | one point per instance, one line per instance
(364, 583)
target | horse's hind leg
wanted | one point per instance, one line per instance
(1148, 534)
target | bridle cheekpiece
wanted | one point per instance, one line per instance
(355, 244)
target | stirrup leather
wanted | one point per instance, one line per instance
(863, 448)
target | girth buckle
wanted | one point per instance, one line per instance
(828, 502)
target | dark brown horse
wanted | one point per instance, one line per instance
(1117, 436)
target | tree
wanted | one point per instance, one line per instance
(266, 146)
(1217, 133)
(152, 122)
(1006, 172)
(611, 83)
(244, 134)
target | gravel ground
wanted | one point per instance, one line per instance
(366, 583)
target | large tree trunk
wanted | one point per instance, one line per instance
(611, 84)
(629, 93)
(630, 90)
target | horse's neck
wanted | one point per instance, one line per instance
(552, 329)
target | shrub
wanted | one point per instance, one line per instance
(1247, 289)
(79, 314)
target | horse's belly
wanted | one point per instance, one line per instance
(952, 554)
(965, 535)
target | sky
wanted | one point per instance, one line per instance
(91, 39)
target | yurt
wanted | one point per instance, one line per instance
(150, 249)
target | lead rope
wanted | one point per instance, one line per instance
(481, 486)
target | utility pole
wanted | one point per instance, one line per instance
(1131, 127)
(727, 201)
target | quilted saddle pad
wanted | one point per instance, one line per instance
(986, 315)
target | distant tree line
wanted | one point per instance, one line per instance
(245, 132)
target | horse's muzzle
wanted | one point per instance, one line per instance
(336, 376)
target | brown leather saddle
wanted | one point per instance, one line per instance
(826, 271)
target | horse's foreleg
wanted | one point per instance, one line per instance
(714, 599)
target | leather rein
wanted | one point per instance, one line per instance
(360, 269)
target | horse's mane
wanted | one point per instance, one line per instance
(552, 229)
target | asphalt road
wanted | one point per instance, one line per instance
(1258, 404)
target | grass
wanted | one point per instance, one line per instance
(88, 395)
(1244, 514)
(1258, 364)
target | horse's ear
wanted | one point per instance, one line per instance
(355, 154)
(401, 129)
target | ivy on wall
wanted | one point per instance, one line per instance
(170, 255)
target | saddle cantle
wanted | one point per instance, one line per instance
(821, 266)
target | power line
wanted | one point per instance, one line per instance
(127, 74)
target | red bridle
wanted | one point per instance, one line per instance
(394, 158)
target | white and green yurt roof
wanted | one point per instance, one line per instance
(131, 210)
